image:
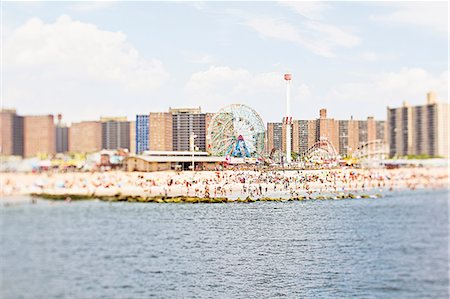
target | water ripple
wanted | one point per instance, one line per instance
(394, 247)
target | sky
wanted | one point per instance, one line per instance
(91, 59)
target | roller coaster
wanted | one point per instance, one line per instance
(325, 150)
(322, 149)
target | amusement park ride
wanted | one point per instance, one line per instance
(238, 132)
(288, 117)
(239, 150)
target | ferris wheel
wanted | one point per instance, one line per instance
(236, 130)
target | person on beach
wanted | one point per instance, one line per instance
(231, 182)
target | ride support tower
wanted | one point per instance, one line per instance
(288, 117)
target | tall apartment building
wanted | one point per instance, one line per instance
(274, 136)
(184, 122)
(381, 130)
(62, 139)
(304, 135)
(327, 128)
(345, 135)
(11, 133)
(419, 130)
(160, 131)
(132, 133)
(142, 133)
(85, 137)
(283, 136)
(115, 133)
(354, 133)
(170, 131)
(39, 135)
(349, 135)
(61, 136)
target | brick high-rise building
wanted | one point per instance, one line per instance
(345, 135)
(274, 137)
(355, 133)
(61, 136)
(132, 133)
(115, 133)
(283, 137)
(85, 137)
(363, 130)
(170, 131)
(419, 130)
(184, 122)
(348, 136)
(327, 128)
(306, 134)
(39, 135)
(160, 131)
(381, 130)
(11, 133)
(295, 129)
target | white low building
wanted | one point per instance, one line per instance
(172, 160)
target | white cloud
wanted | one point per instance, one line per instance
(432, 15)
(202, 59)
(80, 50)
(369, 56)
(375, 92)
(78, 70)
(308, 9)
(269, 27)
(320, 38)
(219, 86)
(334, 36)
(214, 78)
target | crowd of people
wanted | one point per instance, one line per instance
(229, 184)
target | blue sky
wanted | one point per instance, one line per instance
(92, 59)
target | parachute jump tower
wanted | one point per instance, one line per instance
(288, 117)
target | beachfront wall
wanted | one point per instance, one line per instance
(209, 166)
(138, 164)
(161, 163)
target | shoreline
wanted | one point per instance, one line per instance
(184, 199)
(223, 186)
(32, 198)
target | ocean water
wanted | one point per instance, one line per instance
(392, 247)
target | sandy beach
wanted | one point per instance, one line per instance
(230, 184)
